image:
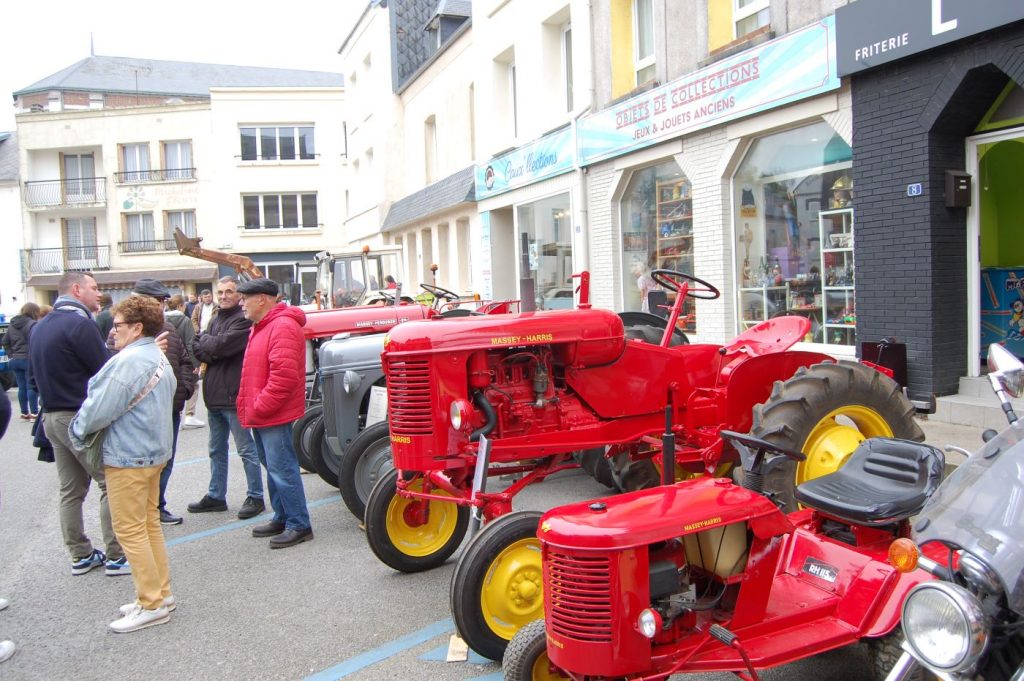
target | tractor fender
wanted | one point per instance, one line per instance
(887, 616)
(750, 382)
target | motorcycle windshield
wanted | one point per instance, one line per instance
(980, 508)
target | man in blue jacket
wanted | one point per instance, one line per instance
(65, 352)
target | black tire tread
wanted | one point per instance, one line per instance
(347, 482)
(523, 650)
(375, 521)
(884, 652)
(467, 579)
(304, 422)
(797, 404)
(320, 451)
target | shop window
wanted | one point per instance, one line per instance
(794, 224)
(545, 252)
(657, 233)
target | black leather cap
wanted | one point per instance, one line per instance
(254, 286)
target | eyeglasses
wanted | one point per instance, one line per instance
(118, 325)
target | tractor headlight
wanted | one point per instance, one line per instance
(459, 414)
(350, 382)
(945, 626)
(649, 623)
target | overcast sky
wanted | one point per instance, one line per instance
(41, 37)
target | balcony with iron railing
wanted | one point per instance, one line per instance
(57, 260)
(146, 246)
(85, 191)
(155, 175)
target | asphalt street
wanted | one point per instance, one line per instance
(320, 611)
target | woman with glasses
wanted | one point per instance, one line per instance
(131, 397)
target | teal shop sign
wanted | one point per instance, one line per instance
(798, 65)
(549, 156)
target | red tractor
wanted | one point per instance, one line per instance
(487, 396)
(705, 575)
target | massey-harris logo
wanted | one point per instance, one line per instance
(519, 340)
(702, 523)
(401, 439)
(545, 526)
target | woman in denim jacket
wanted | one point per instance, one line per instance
(137, 444)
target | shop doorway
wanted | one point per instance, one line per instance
(544, 240)
(995, 245)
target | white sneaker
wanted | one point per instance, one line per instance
(6, 650)
(168, 603)
(140, 618)
(193, 422)
(4, 603)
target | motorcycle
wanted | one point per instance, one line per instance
(968, 624)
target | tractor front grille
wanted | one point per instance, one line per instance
(578, 594)
(410, 397)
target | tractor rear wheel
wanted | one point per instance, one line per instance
(320, 453)
(367, 458)
(405, 538)
(497, 586)
(825, 411)
(598, 466)
(526, 658)
(633, 475)
(301, 436)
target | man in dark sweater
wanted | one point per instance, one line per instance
(222, 348)
(65, 352)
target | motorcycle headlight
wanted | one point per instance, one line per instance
(350, 382)
(945, 626)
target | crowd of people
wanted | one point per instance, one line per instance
(108, 385)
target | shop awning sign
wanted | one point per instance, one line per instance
(798, 65)
(874, 32)
(549, 156)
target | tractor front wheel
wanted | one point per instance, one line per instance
(301, 436)
(497, 587)
(412, 535)
(367, 458)
(526, 658)
(826, 411)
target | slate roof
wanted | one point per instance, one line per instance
(444, 194)
(8, 156)
(410, 45)
(152, 76)
(454, 8)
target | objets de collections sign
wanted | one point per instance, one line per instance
(798, 65)
(874, 32)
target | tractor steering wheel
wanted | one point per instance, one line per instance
(758, 444)
(441, 293)
(668, 279)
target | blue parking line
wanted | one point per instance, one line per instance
(189, 462)
(496, 676)
(241, 523)
(440, 654)
(359, 662)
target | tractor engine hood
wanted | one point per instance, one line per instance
(658, 514)
(360, 320)
(577, 337)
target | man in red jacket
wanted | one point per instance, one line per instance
(271, 396)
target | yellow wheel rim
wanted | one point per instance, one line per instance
(421, 540)
(512, 594)
(683, 474)
(542, 671)
(834, 438)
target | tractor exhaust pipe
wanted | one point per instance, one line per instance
(668, 448)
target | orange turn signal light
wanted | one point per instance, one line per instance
(903, 555)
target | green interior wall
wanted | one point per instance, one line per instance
(1000, 170)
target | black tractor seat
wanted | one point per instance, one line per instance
(884, 481)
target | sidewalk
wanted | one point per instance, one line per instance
(940, 434)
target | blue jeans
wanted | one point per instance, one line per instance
(222, 422)
(287, 496)
(27, 398)
(165, 474)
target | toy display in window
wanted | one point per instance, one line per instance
(842, 193)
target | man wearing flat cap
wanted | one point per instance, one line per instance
(179, 359)
(271, 397)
